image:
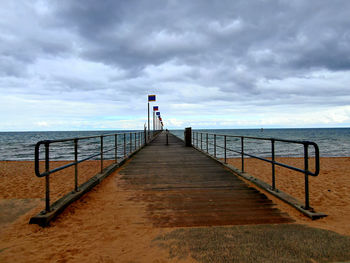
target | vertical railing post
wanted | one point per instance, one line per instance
(76, 165)
(207, 144)
(135, 142)
(124, 146)
(242, 153)
(201, 141)
(47, 178)
(273, 164)
(116, 148)
(215, 145)
(306, 168)
(138, 140)
(225, 147)
(197, 138)
(101, 153)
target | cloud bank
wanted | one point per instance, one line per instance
(68, 65)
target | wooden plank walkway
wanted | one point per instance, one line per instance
(183, 187)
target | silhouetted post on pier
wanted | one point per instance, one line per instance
(188, 136)
(167, 136)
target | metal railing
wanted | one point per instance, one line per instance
(214, 140)
(123, 143)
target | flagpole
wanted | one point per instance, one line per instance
(148, 121)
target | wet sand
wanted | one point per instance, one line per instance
(106, 225)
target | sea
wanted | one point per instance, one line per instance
(332, 142)
(19, 146)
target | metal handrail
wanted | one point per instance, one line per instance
(306, 145)
(136, 141)
(48, 142)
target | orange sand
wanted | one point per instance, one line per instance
(107, 226)
(329, 191)
(103, 226)
(17, 178)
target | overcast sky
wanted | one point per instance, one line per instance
(87, 65)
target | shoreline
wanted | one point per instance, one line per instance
(246, 157)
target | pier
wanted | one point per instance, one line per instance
(185, 184)
(184, 187)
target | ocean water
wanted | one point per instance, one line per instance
(333, 142)
(19, 146)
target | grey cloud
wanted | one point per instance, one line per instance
(232, 53)
(11, 67)
(137, 33)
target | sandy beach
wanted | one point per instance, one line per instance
(81, 233)
(329, 191)
(84, 237)
(18, 180)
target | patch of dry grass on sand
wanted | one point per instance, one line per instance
(256, 243)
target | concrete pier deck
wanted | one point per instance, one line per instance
(185, 188)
